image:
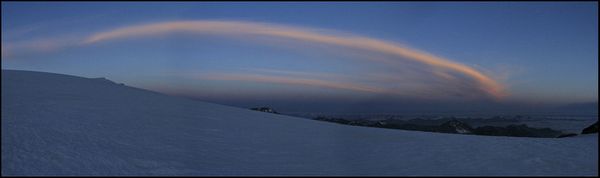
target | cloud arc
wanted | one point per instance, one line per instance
(484, 82)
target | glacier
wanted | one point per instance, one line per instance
(55, 124)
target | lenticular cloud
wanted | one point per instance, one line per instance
(442, 68)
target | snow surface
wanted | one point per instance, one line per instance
(56, 124)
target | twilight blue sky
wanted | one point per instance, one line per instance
(539, 52)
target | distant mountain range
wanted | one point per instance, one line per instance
(408, 106)
(452, 125)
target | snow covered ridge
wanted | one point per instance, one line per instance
(56, 124)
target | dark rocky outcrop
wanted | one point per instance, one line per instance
(566, 135)
(516, 131)
(265, 109)
(591, 129)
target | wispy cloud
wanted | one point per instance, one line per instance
(294, 81)
(233, 27)
(9, 49)
(441, 67)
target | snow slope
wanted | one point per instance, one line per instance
(56, 124)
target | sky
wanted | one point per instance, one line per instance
(320, 56)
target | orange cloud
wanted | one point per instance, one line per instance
(485, 83)
(440, 67)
